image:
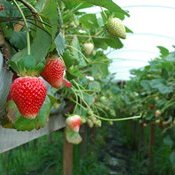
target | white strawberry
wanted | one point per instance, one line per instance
(116, 28)
(88, 48)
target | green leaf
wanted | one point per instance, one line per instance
(114, 43)
(108, 4)
(75, 71)
(72, 137)
(159, 84)
(5, 81)
(163, 51)
(100, 65)
(9, 11)
(100, 43)
(42, 40)
(172, 158)
(76, 52)
(29, 62)
(94, 86)
(50, 13)
(89, 21)
(145, 84)
(40, 5)
(68, 58)
(39, 49)
(1, 62)
(90, 99)
(168, 141)
(26, 66)
(60, 44)
(18, 39)
(60, 19)
(76, 5)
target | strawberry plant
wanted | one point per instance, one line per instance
(63, 44)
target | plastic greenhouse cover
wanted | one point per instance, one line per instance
(150, 20)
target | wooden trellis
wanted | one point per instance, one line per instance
(10, 138)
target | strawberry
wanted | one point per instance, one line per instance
(29, 94)
(157, 113)
(2, 7)
(54, 72)
(116, 28)
(74, 122)
(88, 48)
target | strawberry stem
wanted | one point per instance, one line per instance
(118, 119)
(89, 108)
(104, 13)
(26, 26)
(33, 11)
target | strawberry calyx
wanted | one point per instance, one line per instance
(67, 83)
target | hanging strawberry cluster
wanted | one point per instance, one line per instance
(29, 92)
(34, 61)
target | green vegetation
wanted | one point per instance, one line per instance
(31, 32)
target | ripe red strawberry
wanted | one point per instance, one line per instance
(29, 94)
(54, 72)
(74, 122)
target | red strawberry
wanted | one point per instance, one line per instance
(74, 122)
(54, 72)
(1, 7)
(29, 94)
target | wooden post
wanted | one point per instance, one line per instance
(67, 158)
(151, 145)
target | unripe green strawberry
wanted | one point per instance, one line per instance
(93, 119)
(29, 94)
(98, 123)
(88, 48)
(54, 72)
(116, 28)
(74, 122)
(90, 123)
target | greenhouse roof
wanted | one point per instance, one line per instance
(152, 26)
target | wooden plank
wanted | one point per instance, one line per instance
(10, 138)
(67, 158)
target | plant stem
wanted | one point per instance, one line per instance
(104, 13)
(85, 36)
(33, 11)
(118, 119)
(76, 98)
(27, 27)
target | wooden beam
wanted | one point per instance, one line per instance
(10, 138)
(67, 158)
